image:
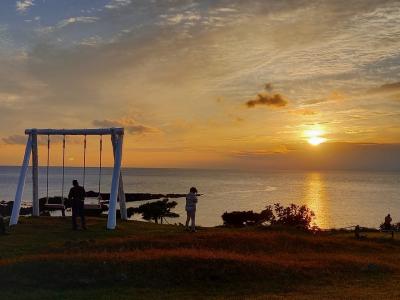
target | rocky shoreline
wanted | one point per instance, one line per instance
(6, 206)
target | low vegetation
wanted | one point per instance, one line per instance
(298, 216)
(157, 211)
(247, 218)
(43, 258)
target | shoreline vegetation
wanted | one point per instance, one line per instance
(6, 206)
(293, 215)
(43, 258)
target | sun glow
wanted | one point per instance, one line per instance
(314, 136)
(316, 140)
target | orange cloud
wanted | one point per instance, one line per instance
(275, 100)
(267, 98)
(337, 96)
(15, 139)
(131, 125)
(304, 112)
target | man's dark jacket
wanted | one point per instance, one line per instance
(76, 194)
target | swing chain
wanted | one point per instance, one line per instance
(47, 168)
(100, 164)
(84, 161)
(63, 170)
(63, 165)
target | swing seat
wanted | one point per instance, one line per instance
(54, 203)
(93, 209)
(54, 206)
(92, 206)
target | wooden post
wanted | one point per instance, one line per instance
(21, 183)
(122, 199)
(35, 177)
(112, 208)
(121, 193)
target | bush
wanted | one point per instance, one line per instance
(247, 218)
(292, 215)
(157, 211)
(394, 227)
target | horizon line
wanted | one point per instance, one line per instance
(223, 168)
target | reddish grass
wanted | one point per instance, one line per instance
(281, 259)
(286, 260)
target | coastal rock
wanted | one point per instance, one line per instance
(6, 209)
(6, 206)
(131, 197)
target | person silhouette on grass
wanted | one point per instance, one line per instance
(191, 201)
(388, 222)
(77, 197)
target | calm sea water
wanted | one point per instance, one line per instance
(339, 199)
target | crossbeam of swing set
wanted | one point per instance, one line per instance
(89, 131)
(116, 134)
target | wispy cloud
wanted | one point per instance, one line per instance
(331, 156)
(226, 9)
(304, 112)
(19, 139)
(74, 20)
(386, 88)
(131, 125)
(314, 101)
(115, 4)
(188, 18)
(15, 139)
(23, 5)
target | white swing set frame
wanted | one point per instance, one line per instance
(117, 188)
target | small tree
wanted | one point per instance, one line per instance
(293, 215)
(157, 210)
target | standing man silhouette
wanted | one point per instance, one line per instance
(388, 222)
(77, 197)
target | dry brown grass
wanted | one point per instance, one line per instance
(158, 259)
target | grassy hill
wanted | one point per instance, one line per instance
(43, 258)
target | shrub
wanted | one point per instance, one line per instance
(395, 227)
(157, 211)
(292, 215)
(247, 218)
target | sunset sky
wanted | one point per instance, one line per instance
(222, 84)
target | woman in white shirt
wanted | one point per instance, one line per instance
(191, 201)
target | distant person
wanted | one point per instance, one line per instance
(2, 226)
(388, 220)
(191, 201)
(77, 197)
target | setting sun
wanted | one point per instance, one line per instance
(314, 136)
(316, 140)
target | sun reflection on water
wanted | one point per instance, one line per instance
(315, 197)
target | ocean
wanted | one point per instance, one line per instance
(338, 198)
